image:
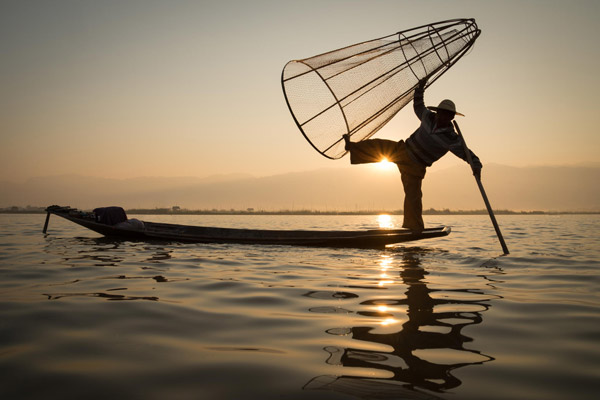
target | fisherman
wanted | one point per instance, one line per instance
(433, 139)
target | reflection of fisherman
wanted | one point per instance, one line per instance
(421, 313)
(434, 138)
(434, 323)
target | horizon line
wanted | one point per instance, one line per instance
(250, 211)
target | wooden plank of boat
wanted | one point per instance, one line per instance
(374, 238)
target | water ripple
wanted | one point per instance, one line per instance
(446, 318)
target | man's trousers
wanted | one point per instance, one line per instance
(412, 174)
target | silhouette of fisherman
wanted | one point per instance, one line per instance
(433, 139)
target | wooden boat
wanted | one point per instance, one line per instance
(376, 238)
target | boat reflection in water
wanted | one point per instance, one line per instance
(418, 343)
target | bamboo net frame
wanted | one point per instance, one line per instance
(357, 89)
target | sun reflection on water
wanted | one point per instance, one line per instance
(384, 265)
(389, 321)
(385, 221)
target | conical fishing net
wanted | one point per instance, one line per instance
(356, 90)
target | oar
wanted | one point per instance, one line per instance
(485, 199)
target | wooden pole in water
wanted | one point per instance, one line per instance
(482, 190)
(46, 224)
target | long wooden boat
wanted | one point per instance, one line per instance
(375, 238)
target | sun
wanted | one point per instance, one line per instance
(385, 165)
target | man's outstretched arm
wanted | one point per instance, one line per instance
(418, 103)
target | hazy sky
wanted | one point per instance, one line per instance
(129, 88)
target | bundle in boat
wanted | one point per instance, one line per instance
(357, 89)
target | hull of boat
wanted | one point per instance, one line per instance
(200, 234)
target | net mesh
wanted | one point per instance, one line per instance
(356, 90)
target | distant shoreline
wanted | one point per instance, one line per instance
(170, 211)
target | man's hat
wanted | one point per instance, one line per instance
(447, 105)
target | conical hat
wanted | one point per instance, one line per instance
(447, 105)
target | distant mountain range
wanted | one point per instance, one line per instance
(342, 189)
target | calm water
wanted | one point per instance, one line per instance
(86, 317)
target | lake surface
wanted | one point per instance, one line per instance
(83, 316)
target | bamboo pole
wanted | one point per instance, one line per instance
(482, 190)
(46, 224)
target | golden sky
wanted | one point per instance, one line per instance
(127, 88)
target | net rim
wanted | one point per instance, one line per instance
(469, 30)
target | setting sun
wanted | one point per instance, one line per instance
(385, 165)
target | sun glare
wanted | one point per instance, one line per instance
(385, 221)
(385, 165)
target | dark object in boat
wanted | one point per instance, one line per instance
(110, 215)
(143, 230)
